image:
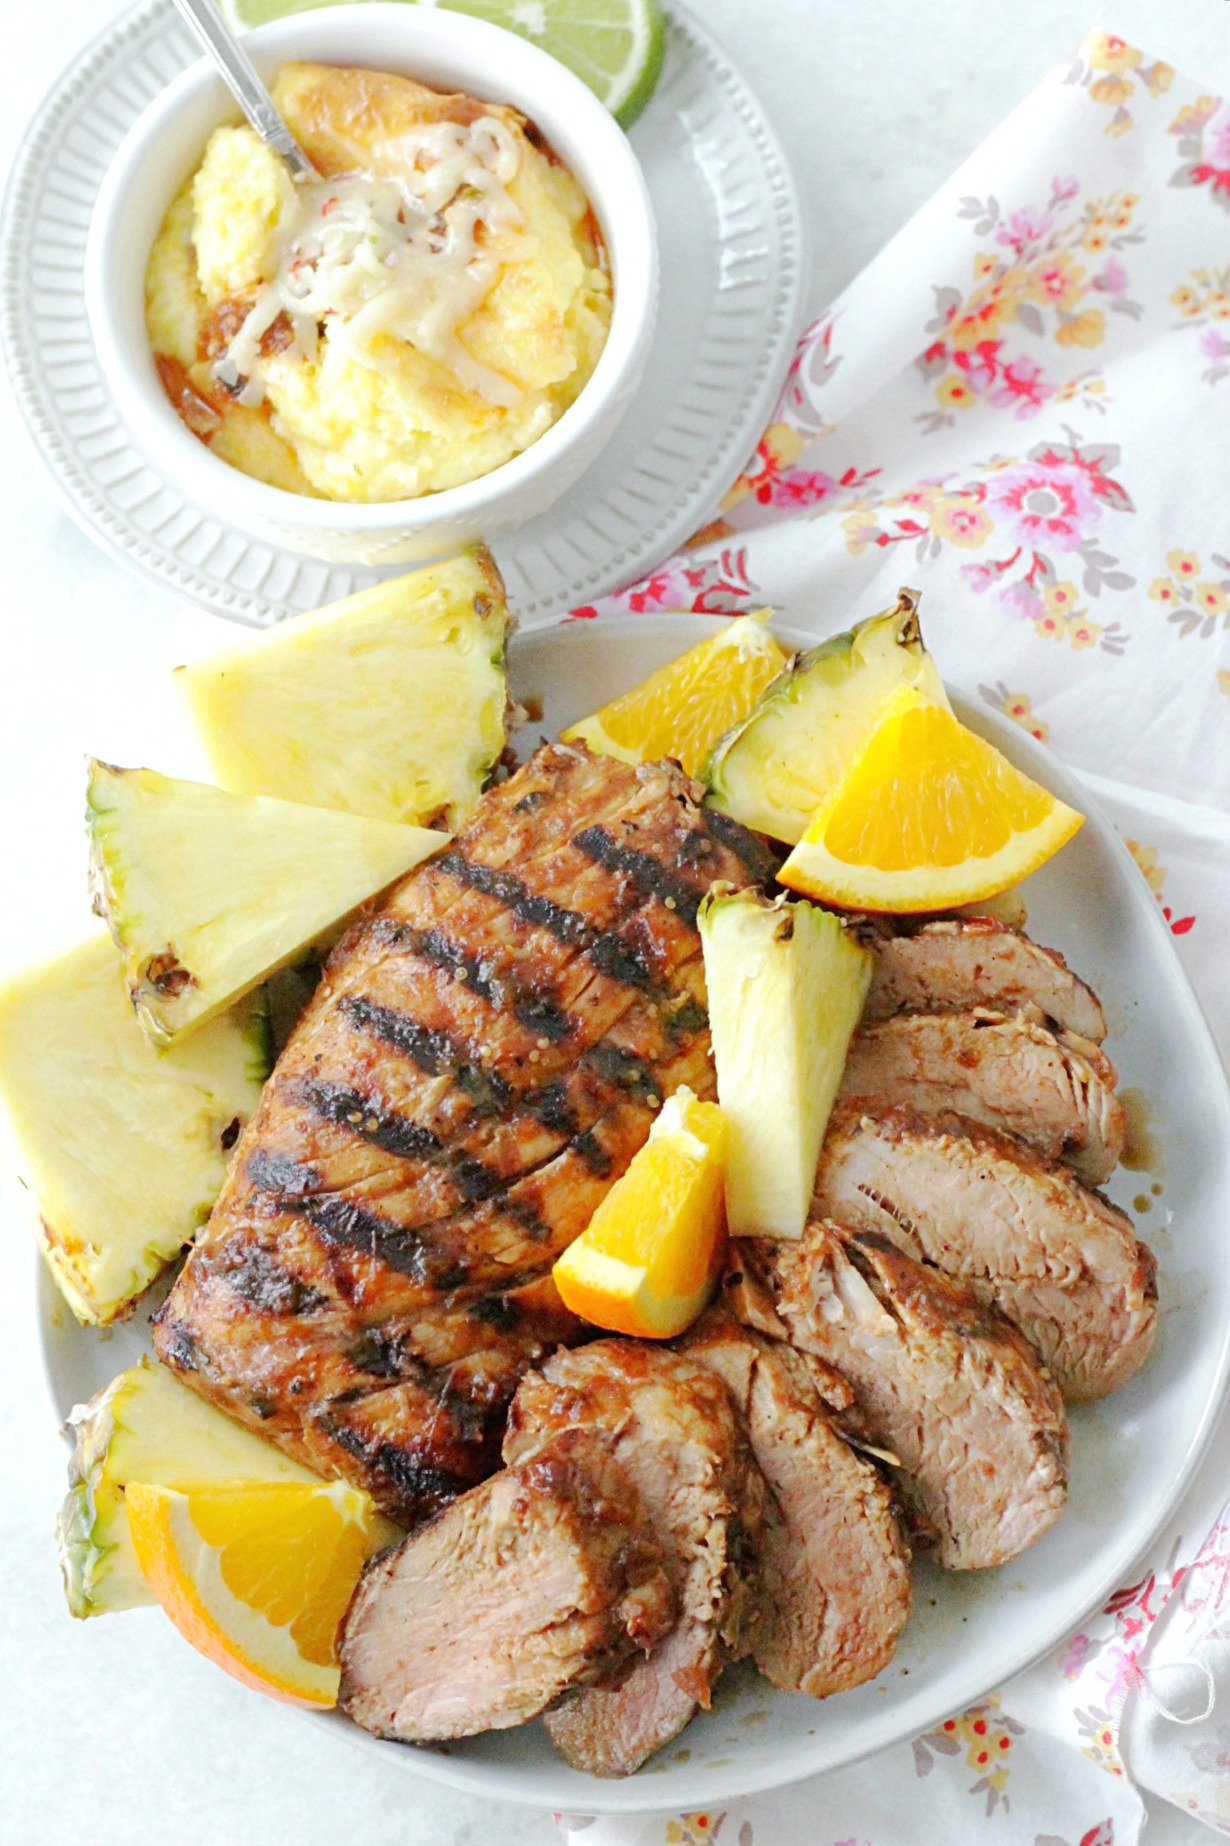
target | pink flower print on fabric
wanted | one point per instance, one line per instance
(1203, 131)
(1217, 140)
(801, 487)
(1112, 279)
(1048, 505)
(1022, 387)
(1024, 227)
(718, 585)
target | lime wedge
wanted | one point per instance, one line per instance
(614, 46)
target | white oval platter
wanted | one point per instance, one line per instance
(733, 287)
(1131, 1455)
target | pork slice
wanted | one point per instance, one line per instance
(1052, 1091)
(676, 1436)
(1060, 1261)
(833, 1578)
(941, 1382)
(958, 963)
(543, 1577)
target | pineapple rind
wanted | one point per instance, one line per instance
(121, 1149)
(772, 770)
(220, 891)
(392, 703)
(786, 984)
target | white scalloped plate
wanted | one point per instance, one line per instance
(732, 291)
(1132, 1455)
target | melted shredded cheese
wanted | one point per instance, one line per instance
(412, 256)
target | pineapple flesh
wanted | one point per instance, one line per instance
(207, 893)
(786, 985)
(391, 704)
(772, 771)
(121, 1149)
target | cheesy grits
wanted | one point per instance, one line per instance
(420, 315)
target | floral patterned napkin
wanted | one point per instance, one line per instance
(1023, 406)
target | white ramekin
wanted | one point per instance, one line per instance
(451, 51)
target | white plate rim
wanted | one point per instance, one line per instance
(741, 1778)
(725, 456)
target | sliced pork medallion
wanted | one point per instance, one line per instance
(545, 1576)
(1061, 1262)
(1053, 1092)
(677, 1437)
(833, 1579)
(958, 963)
(941, 1382)
(483, 1056)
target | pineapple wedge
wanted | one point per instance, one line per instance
(772, 771)
(786, 985)
(206, 893)
(147, 1426)
(122, 1150)
(391, 703)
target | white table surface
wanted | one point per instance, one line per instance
(114, 1731)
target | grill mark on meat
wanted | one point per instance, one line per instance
(338, 1219)
(689, 1016)
(382, 1355)
(384, 1128)
(255, 1274)
(609, 953)
(415, 1482)
(287, 1179)
(593, 1153)
(435, 1053)
(496, 1311)
(341, 1220)
(648, 876)
(549, 1105)
(398, 1134)
(538, 1013)
(177, 1345)
(753, 853)
(524, 1214)
(626, 1071)
(431, 1051)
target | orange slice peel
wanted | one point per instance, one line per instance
(257, 1576)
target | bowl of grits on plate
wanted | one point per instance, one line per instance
(425, 346)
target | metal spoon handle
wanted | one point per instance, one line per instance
(239, 74)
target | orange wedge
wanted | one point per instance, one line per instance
(653, 1250)
(927, 815)
(257, 1576)
(681, 710)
